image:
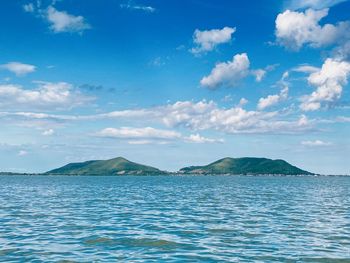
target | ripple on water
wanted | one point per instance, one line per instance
(174, 219)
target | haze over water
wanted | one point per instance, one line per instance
(175, 219)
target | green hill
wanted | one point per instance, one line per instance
(253, 166)
(116, 166)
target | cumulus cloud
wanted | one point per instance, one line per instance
(61, 21)
(207, 40)
(295, 29)
(315, 143)
(230, 73)
(196, 138)
(195, 116)
(208, 116)
(227, 73)
(329, 82)
(18, 68)
(273, 99)
(46, 95)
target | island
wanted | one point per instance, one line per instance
(115, 166)
(246, 166)
(230, 166)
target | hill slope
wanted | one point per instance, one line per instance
(246, 165)
(116, 166)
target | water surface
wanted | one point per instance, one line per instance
(174, 219)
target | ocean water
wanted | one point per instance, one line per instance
(174, 219)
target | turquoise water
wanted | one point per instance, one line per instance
(174, 219)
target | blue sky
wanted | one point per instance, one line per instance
(174, 83)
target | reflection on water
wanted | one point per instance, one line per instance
(175, 219)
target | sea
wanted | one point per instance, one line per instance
(174, 219)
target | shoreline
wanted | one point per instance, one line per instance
(172, 174)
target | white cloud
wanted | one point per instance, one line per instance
(306, 69)
(228, 73)
(194, 116)
(314, 4)
(149, 135)
(207, 40)
(259, 74)
(48, 132)
(22, 153)
(342, 52)
(285, 75)
(196, 138)
(61, 21)
(208, 116)
(142, 142)
(242, 102)
(20, 69)
(29, 8)
(273, 99)
(148, 9)
(47, 95)
(138, 133)
(295, 29)
(315, 143)
(329, 82)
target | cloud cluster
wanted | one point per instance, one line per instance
(273, 99)
(207, 40)
(329, 82)
(296, 29)
(227, 73)
(61, 21)
(208, 116)
(195, 116)
(149, 135)
(18, 68)
(47, 95)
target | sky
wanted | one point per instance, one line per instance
(174, 83)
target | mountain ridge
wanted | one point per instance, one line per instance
(115, 166)
(246, 165)
(227, 165)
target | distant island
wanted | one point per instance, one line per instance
(246, 166)
(115, 166)
(232, 166)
